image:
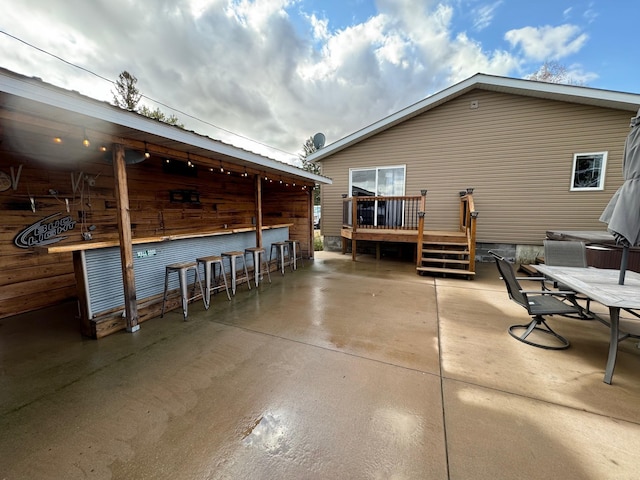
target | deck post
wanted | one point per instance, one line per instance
(472, 245)
(421, 214)
(354, 225)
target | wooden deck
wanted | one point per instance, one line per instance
(445, 252)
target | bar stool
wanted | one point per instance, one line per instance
(294, 250)
(233, 256)
(209, 264)
(280, 255)
(182, 269)
(259, 267)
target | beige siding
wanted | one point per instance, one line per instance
(516, 151)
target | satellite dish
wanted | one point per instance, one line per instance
(318, 140)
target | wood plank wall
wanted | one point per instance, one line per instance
(49, 174)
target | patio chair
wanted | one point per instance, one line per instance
(568, 254)
(539, 304)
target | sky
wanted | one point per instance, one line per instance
(266, 75)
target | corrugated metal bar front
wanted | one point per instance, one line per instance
(104, 272)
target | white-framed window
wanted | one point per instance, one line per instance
(588, 171)
(377, 181)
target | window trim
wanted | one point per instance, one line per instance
(603, 170)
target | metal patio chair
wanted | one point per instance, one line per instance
(539, 304)
(568, 254)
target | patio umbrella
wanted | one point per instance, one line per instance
(622, 214)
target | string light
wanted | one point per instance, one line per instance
(85, 140)
(146, 151)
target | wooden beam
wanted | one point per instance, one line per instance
(124, 233)
(258, 189)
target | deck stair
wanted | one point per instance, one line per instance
(449, 252)
(445, 253)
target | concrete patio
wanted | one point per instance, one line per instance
(340, 370)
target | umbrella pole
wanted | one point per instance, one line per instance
(623, 264)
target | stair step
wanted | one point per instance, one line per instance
(445, 252)
(445, 260)
(457, 271)
(445, 244)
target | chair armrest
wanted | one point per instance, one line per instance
(548, 292)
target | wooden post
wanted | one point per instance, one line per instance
(421, 214)
(258, 189)
(472, 245)
(124, 232)
(312, 232)
(354, 225)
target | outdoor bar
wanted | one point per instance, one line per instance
(101, 301)
(97, 201)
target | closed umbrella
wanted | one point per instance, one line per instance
(622, 214)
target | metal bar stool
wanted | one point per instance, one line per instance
(209, 264)
(259, 267)
(295, 253)
(182, 269)
(233, 256)
(280, 254)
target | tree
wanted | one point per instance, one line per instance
(127, 94)
(307, 149)
(553, 72)
(158, 115)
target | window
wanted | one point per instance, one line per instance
(377, 182)
(588, 171)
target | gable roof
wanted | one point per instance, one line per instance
(531, 88)
(31, 95)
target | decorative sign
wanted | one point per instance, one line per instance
(45, 231)
(5, 182)
(146, 253)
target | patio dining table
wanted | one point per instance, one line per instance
(601, 285)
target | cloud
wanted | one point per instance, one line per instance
(547, 42)
(484, 15)
(265, 69)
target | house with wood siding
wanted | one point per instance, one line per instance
(95, 201)
(537, 156)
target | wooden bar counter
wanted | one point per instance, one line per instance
(98, 273)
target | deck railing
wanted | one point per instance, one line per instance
(382, 213)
